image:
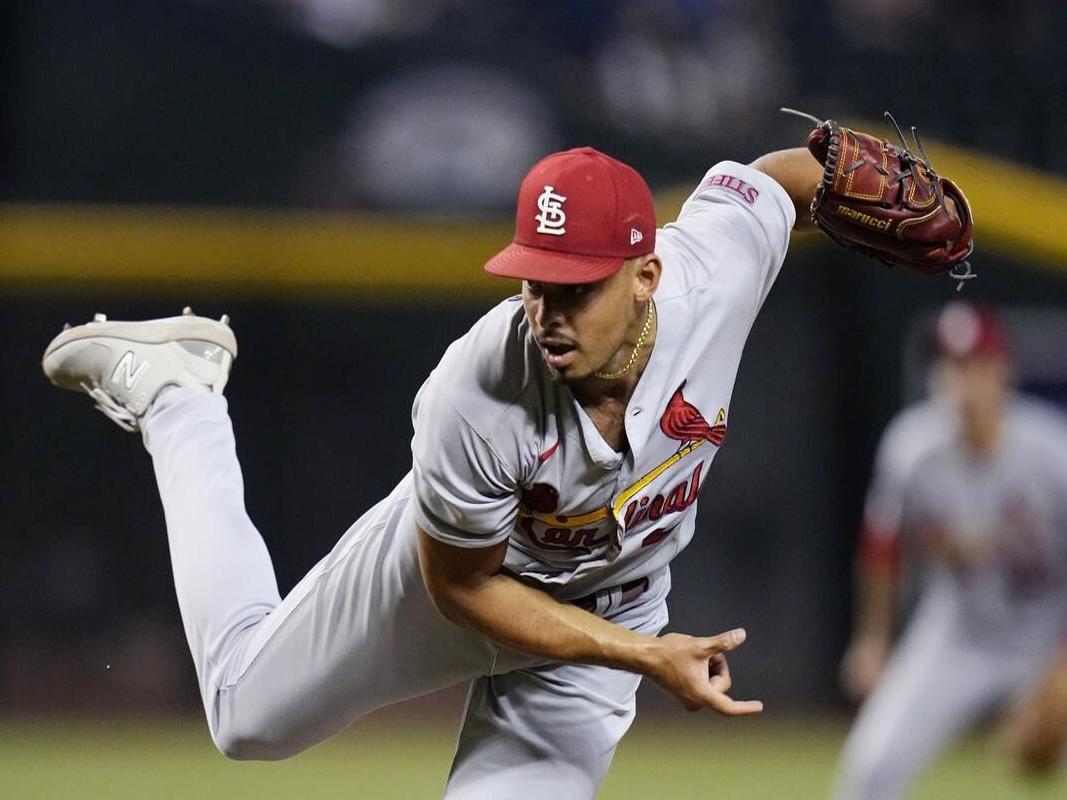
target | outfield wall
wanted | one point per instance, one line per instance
(321, 398)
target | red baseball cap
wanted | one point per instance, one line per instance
(580, 215)
(964, 330)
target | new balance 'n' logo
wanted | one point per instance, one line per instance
(129, 375)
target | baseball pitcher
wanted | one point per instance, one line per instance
(558, 453)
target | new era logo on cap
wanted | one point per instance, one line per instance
(580, 215)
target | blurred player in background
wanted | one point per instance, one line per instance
(970, 486)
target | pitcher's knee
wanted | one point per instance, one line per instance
(249, 742)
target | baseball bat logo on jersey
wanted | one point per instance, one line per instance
(559, 532)
(682, 421)
(552, 217)
(648, 499)
(679, 498)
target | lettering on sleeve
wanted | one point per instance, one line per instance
(723, 182)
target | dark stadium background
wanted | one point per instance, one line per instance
(294, 113)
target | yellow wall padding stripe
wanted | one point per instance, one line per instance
(264, 249)
(1019, 212)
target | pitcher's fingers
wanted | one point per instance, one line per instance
(719, 674)
(718, 665)
(725, 642)
(728, 707)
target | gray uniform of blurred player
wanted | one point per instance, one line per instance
(989, 532)
(501, 452)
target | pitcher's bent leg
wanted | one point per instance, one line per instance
(223, 575)
(549, 730)
(546, 732)
(357, 633)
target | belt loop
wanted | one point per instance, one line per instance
(613, 598)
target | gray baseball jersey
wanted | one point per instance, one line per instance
(503, 452)
(981, 631)
(1010, 512)
(907, 441)
(499, 452)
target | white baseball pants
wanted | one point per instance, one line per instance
(939, 682)
(360, 632)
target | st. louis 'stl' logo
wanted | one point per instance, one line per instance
(552, 217)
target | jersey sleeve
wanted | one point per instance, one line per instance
(1052, 467)
(464, 494)
(887, 500)
(733, 231)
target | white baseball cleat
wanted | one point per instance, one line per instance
(124, 365)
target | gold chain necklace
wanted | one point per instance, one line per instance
(650, 315)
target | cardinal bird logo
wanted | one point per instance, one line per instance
(682, 421)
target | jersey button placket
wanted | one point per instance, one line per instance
(624, 476)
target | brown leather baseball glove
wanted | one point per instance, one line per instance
(887, 201)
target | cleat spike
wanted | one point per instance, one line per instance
(187, 311)
(99, 317)
(66, 326)
(225, 319)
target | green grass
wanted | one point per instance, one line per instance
(663, 757)
(758, 759)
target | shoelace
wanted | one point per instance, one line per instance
(111, 408)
